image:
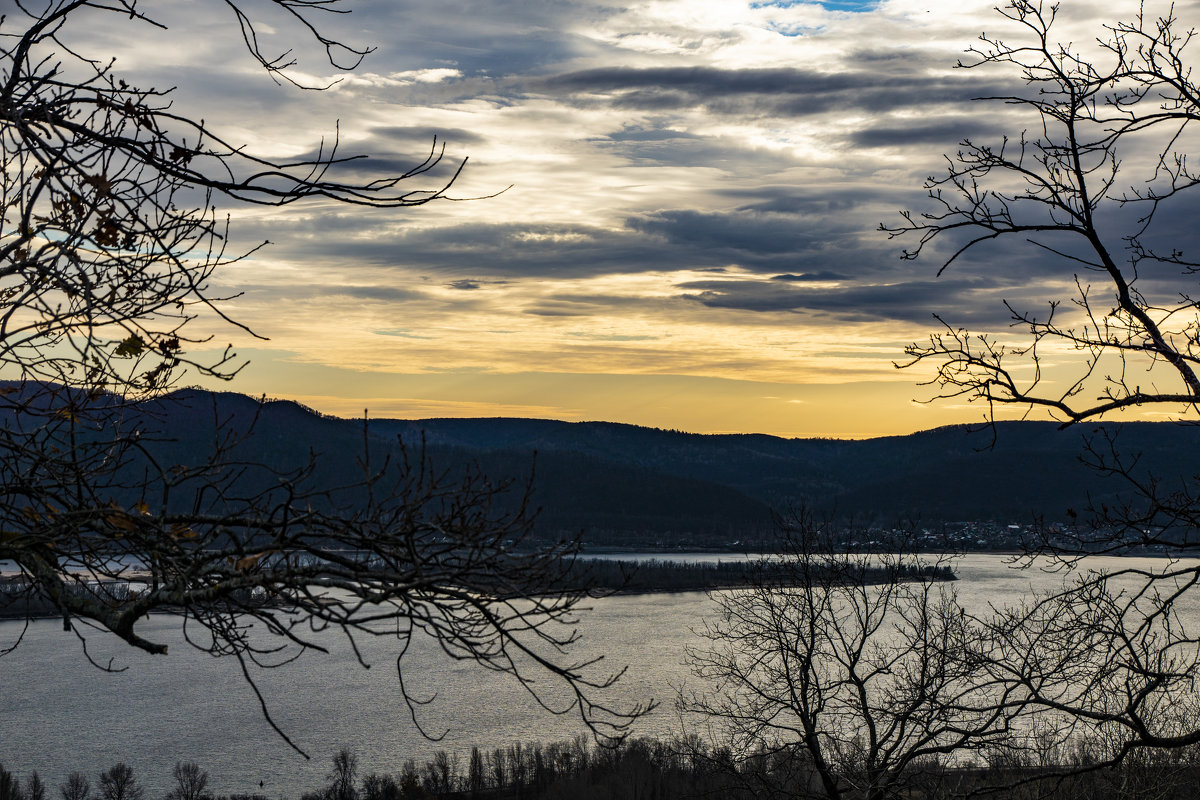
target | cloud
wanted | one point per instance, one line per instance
(557, 310)
(638, 133)
(971, 302)
(433, 75)
(784, 91)
(689, 180)
(940, 133)
(382, 294)
(664, 240)
(472, 284)
(420, 133)
(810, 276)
(668, 148)
(403, 333)
(750, 233)
(802, 201)
(611, 337)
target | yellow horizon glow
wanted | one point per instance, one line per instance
(695, 404)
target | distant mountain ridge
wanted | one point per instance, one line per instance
(621, 483)
(1016, 471)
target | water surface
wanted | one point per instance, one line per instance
(58, 713)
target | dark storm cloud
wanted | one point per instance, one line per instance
(905, 59)
(501, 250)
(767, 243)
(912, 301)
(469, 42)
(787, 91)
(710, 81)
(814, 201)
(307, 291)
(1172, 228)
(732, 232)
(944, 133)
(798, 205)
(471, 284)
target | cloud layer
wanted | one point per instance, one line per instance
(667, 188)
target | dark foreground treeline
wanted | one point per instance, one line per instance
(677, 576)
(675, 769)
(21, 600)
(18, 601)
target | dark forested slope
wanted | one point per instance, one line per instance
(615, 481)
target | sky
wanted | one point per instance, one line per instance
(670, 207)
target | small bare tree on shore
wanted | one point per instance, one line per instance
(849, 674)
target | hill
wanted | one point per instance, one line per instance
(624, 484)
(1014, 472)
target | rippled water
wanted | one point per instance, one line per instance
(58, 713)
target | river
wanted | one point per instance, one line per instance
(58, 713)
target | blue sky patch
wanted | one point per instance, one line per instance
(832, 5)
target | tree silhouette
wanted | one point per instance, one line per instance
(1098, 186)
(119, 783)
(77, 787)
(1092, 185)
(848, 674)
(108, 246)
(191, 782)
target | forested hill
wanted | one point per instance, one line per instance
(951, 473)
(616, 481)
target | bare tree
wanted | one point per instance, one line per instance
(10, 785)
(108, 244)
(36, 788)
(191, 782)
(119, 783)
(846, 675)
(343, 777)
(77, 787)
(1091, 183)
(1111, 658)
(1099, 187)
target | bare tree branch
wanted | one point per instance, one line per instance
(109, 243)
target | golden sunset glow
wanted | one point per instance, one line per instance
(671, 213)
